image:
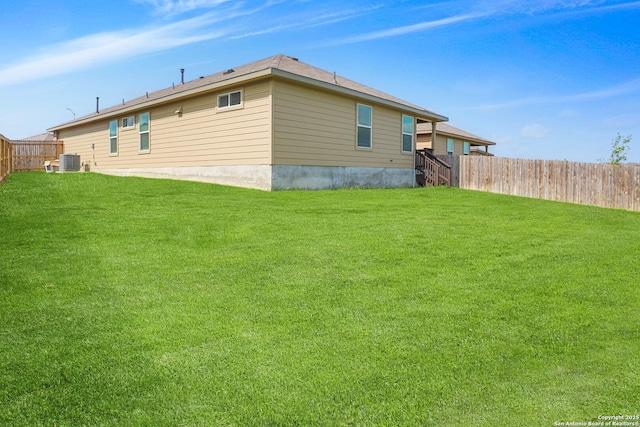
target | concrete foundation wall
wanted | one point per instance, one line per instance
(279, 177)
(248, 176)
(286, 177)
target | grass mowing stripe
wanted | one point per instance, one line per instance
(146, 302)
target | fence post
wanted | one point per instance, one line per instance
(5, 158)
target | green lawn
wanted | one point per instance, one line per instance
(126, 301)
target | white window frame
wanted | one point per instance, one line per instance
(128, 122)
(364, 126)
(466, 148)
(147, 132)
(409, 134)
(228, 97)
(113, 138)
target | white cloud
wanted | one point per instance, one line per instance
(305, 22)
(568, 114)
(95, 49)
(541, 6)
(622, 121)
(175, 7)
(489, 8)
(534, 131)
(407, 29)
(622, 89)
(564, 7)
(588, 7)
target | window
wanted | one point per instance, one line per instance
(407, 133)
(128, 123)
(113, 137)
(450, 146)
(466, 148)
(364, 126)
(143, 125)
(230, 99)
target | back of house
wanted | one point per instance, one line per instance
(277, 123)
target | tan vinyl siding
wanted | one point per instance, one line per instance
(201, 136)
(424, 141)
(441, 145)
(78, 140)
(316, 128)
(458, 146)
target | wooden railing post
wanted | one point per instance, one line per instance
(435, 171)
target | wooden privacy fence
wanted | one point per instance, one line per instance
(5, 158)
(31, 155)
(454, 162)
(605, 185)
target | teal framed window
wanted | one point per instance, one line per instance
(450, 146)
(466, 148)
(407, 134)
(143, 126)
(113, 137)
(365, 126)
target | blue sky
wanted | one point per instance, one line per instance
(549, 79)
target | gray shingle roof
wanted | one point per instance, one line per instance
(447, 129)
(278, 65)
(43, 137)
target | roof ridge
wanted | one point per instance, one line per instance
(283, 63)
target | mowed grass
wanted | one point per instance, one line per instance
(127, 301)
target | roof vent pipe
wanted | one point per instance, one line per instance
(181, 75)
(97, 104)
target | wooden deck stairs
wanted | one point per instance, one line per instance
(431, 171)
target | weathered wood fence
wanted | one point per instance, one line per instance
(5, 158)
(454, 162)
(596, 184)
(31, 155)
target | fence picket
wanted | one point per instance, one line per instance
(605, 185)
(31, 155)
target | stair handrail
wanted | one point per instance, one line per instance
(441, 168)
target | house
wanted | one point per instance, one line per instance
(450, 140)
(277, 123)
